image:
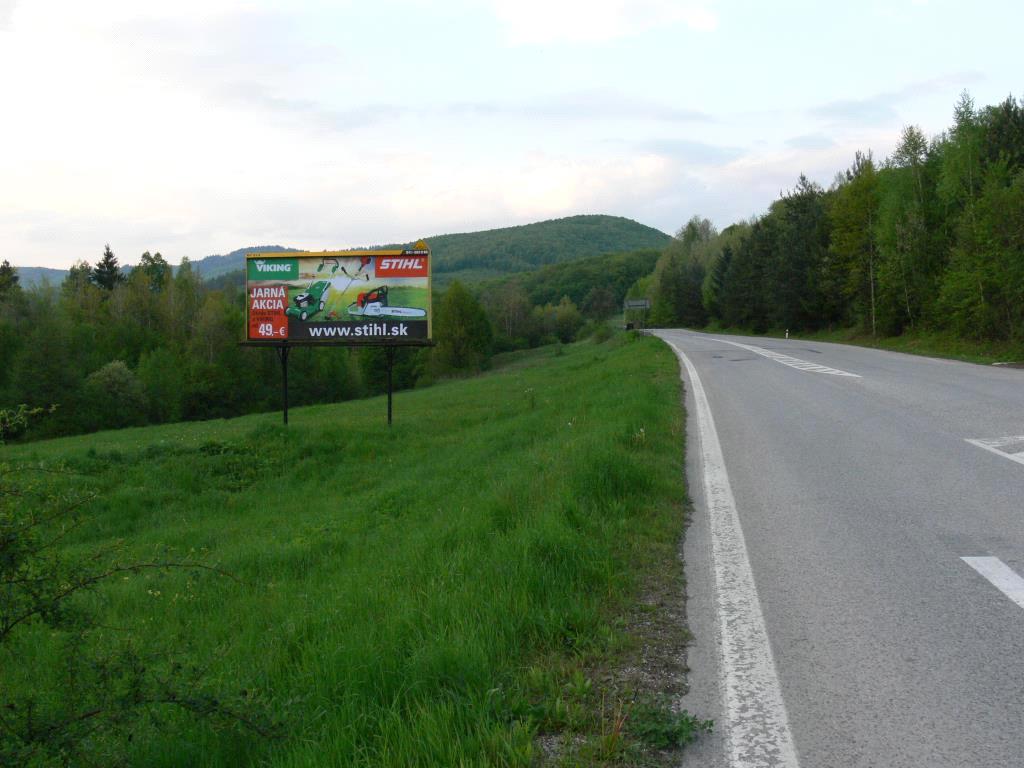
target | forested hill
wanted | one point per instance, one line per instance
(214, 266)
(496, 252)
(29, 276)
(468, 255)
(518, 249)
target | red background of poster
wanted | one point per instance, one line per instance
(273, 322)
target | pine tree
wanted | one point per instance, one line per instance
(107, 274)
(8, 280)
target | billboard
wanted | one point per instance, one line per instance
(347, 297)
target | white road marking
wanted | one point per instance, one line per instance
(999, 446)
(792, 362)
(756, 724)
(1001, 575)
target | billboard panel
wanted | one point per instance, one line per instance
(356, 297)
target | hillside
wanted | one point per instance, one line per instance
(473, 256)
(614, 272)
(437, 594)
(517, 249)
(29, 276)
(215, 266)
(492, 253)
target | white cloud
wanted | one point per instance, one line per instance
(6, 12)
(549, 21)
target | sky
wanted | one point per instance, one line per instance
(196, 127)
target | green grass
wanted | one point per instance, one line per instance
(405, 597)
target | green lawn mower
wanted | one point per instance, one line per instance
(311, 300)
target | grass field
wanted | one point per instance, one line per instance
(433, 594)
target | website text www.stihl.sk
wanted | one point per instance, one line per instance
(368, 330)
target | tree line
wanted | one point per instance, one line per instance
(106, 349)
(112, 348)
(561, 302)
(930, 239)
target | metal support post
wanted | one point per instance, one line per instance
(282, 353)
(391, 365)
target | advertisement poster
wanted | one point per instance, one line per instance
(357, 297)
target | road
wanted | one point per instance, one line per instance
(858, 635)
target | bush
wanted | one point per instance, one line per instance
(113, 397)
(602, 333)
(463, 332)
(76, 693)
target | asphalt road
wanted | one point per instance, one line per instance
(857, 495)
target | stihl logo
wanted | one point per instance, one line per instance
(401, 263)
(402, 267)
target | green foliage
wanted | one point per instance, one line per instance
(474, 257)
(463, 331)
(156, 270)
(656, 724)
(600, 303)
(114, 397)
(107, 274)
(393, 590)
(162, 375)
(8, 280)
(525, 248)
(677, 284)
(613, 272)
(559, 321)
(98, 688)
(178, 336)
(14, 421)
(928, 242)
(523, 307)
(853, 244)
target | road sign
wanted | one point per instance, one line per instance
(637, 304)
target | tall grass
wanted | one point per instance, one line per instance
(396, 588)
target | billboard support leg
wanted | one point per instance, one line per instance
(282, 353)
(391, 365)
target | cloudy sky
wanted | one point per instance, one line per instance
(199, 126)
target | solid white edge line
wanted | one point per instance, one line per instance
(1019, 458)
(757, 728)
(1000, 575)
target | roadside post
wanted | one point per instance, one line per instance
(358, 298)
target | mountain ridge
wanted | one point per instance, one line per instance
(470, 255)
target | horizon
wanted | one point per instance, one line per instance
(382, 244)
(196, 126)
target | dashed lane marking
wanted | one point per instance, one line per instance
(1001, 576)
(792, 362)
(1011, 448)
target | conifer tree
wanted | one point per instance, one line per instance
(107, 274)
(8, 280)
